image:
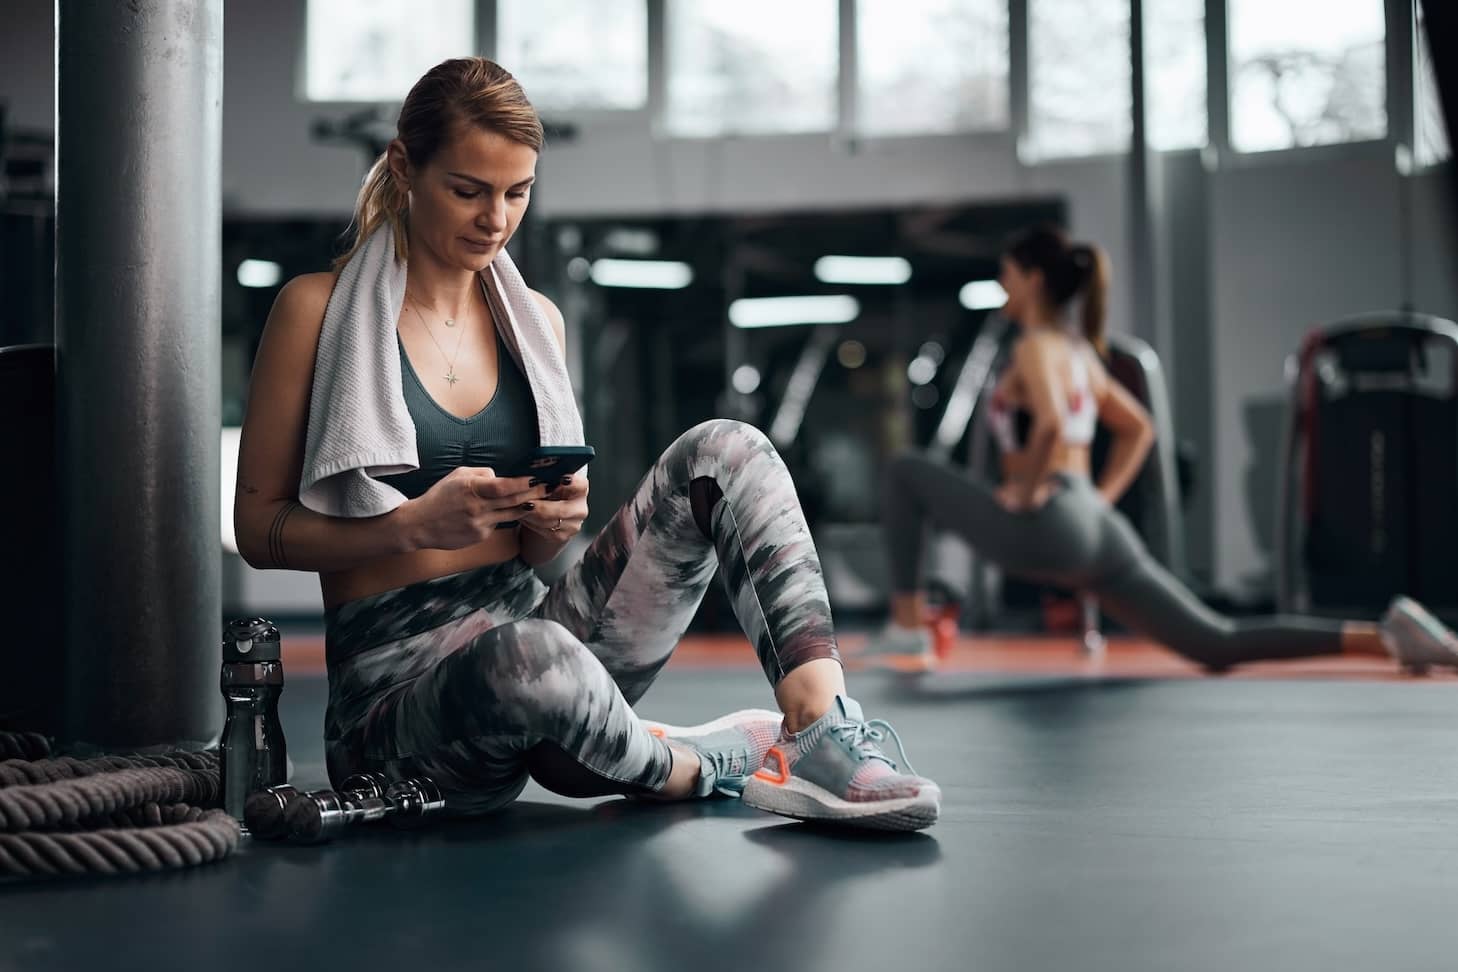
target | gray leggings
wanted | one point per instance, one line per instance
(1078, 541)
(480, 678)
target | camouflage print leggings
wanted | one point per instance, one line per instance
(482, 678)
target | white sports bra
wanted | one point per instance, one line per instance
(1012, 423)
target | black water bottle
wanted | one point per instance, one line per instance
(253, 755)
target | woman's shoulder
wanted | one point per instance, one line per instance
(301, 302)
(1035, 347)
(554, 316)
(308, 291)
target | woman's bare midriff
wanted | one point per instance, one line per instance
(389, 573)
(1017, 467)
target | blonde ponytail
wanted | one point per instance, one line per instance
(1094, 264)
(380, 200)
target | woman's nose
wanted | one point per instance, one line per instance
(493, 216)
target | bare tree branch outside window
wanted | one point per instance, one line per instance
(1307, 72)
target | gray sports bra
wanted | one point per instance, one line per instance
(498, 435)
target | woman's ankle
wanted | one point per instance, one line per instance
(808, 692)
(908, 610)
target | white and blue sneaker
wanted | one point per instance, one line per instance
(834, 771)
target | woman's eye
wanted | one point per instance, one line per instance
(466, 195)
(521, 194)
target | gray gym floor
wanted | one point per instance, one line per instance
(1088, 824)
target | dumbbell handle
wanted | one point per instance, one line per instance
(320, 816)
(412, 801)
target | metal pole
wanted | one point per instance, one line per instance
(1141, 229)
(138, 258)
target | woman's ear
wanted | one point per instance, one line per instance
(399, 163)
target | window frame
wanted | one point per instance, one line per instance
(1400, 50)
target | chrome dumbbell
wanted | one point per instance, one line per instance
(265, 812)
(317, 817)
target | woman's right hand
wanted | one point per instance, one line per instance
(463, 508)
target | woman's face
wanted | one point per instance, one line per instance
(468, 201)
(1024, 289)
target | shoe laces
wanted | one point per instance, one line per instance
(723, 761)
(866, 737)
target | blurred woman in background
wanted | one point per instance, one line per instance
(1051, 522)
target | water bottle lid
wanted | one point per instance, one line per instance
(251, 640)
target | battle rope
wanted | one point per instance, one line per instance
(110, 815)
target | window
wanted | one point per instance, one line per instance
(751, 67)
(931, 66)
(1175, 114)
(1078, 78)
(366, 50)
(1306, 72)
(575, 54)
(1432, 132)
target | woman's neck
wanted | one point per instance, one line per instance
(1043, 318)
(447, 291)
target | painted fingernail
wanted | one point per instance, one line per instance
(534, 482)
(565, 481)
(528, 506)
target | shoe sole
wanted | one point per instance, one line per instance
(723, 722)
(803, 800)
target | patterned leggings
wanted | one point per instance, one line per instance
(482, 678)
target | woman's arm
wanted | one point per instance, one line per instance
(273, 529)
(1133, 434)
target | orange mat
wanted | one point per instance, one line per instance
(1123, 658)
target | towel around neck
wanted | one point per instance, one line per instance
(359, 426)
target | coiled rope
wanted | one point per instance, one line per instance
(110, 815)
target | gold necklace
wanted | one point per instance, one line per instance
(450, 375)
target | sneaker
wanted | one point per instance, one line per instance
(900, 649)
(834, 771)
(1417, 639)
(730, 748)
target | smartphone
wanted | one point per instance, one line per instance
(550, 464)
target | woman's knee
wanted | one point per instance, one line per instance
(728, 437)
(535, 663)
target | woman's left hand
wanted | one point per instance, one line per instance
(559, 517)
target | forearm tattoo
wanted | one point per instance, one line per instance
(277, 552)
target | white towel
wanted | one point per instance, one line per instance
(359, 427)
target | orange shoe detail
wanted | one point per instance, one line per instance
(779, 776)
(944, 629)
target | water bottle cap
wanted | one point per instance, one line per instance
(251, 640)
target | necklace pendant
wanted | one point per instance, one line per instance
(450, 322)
(451, 378)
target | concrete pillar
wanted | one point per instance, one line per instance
(138, 255)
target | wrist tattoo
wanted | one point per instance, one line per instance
(277, 552)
